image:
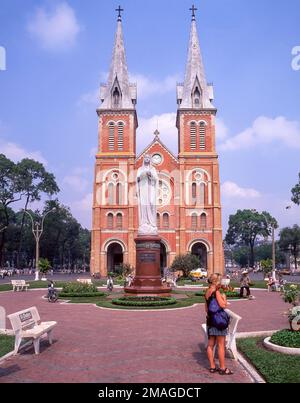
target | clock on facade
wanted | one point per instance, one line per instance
(156, 159)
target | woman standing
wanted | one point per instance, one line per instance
(216, 336)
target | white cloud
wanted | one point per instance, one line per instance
(148, 86)
(55, 30)
(16, 152)
(265, 131)
(221, 129)
(166, 126)
(232, 190)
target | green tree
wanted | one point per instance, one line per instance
(245, 228)
(64, 242)
(35, 181)
(290, 241)
(126, 269)
(266, 265)
(241, 256)
(296, 192)
(264, 251)
(186, 263)
(44, 265)
(9, 193)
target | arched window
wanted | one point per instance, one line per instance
(197, 95)
(202, 193)
(116, 97)
(202, 136)
(119, 221)
(110, 221)
(120, 136)
(111, 191)
(111, 136)
(166, 220)
(203, 220)
(194, 192)
(118, 193)
(193, 136)
(194, 221)
(158, 220)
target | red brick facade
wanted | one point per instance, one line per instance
(189, 209)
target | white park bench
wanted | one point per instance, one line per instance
(85, 280)
(19, 285)
(26, 324)
(231, 349)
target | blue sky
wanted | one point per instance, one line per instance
(58, 52)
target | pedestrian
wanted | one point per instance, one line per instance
(245, 284)
(110, 283)
(217, 324)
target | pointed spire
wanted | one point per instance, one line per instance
(194, 92)
(118, 93)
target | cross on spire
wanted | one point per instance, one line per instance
(193, 9)
(119, 10)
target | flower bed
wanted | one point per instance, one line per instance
(144, 301)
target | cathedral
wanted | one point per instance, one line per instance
(188, 193)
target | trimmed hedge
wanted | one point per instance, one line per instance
(78, 294)
(144, 301)
(286, 338)
(229, 294)
(79, 288)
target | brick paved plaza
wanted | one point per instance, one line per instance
(101, 345)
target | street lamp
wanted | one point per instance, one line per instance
(37, 230)
(271, 222)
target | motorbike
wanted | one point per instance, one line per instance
(52, 294)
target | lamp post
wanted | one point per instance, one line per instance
(37, 230)
(273, 246)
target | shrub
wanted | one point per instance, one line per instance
(185, 263)
(77, 294)
(229, 294)
(79, 288)
(44, 265)
(144, 301)
(291, 294)
(286, 338)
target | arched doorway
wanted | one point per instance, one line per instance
(163, 257)
(199, 249)
(114, 257)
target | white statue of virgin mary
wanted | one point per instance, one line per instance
(146, 189)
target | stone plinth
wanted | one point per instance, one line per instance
(147, 280)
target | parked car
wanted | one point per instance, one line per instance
(199, 273)
(285, 272)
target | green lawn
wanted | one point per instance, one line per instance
(6, 344)
(190, 299)
(274, 367)
(44, 284)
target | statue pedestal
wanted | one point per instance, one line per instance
(147, 280)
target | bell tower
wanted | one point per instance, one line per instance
(200, 208)
(112, 225)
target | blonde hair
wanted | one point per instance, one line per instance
(214, 279)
